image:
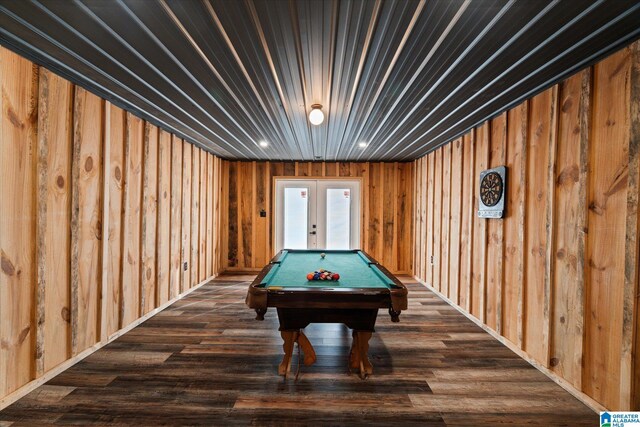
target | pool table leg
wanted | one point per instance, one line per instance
(289, 338)
(358, 357)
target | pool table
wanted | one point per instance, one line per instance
(364, 287)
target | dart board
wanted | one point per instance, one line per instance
(492, 192)
(491, 189)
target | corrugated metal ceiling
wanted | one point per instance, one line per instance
(403, 76)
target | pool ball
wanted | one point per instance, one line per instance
(322, 255)
(310, 276)
(335, 276)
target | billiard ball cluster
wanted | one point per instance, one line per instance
(323, 274)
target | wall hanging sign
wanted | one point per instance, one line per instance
(493, 183)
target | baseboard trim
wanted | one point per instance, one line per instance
(587, 400)
(32, 385)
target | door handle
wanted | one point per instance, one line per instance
(312, 232)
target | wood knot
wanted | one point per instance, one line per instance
(567, 104)
(6, 265)
(595, 208)
(60, 181)
(576, 130)
(117, 173)
(14, 119)
(539, 195)
(562, 319)
(24, 334)
(97, 231)
(568, 175)
(88, 164)
(554, 361)
(148, 273)
(561, 254)
(164, 195)
(66, 314)
(610, 122)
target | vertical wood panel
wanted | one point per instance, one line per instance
(211, 182)
(607, 218)
(246, 210)
(454, 232)
(570, 226)
(18, 153)
(419, 244)
(232, 247)
(495, 231)
(430, 216)
(117, 118)
(55, 127)
(204, 168)
(478, 276)
(175, 274)
(194, 213)
(149, 219)
(437, 219)
(446, 219)
(86, 218)
(536, 293)
(375, 217)
(131, 232)
(466, 221)
(634, 140)
(387, 215)
(403, 223)
(261, 225)
(514, 277)
(164, 215)
(187, 165)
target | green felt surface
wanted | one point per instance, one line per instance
(353, 268)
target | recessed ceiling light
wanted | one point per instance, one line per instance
(264, 144)
(362, 144)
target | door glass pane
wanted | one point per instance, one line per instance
(296, 213)
(338, 214)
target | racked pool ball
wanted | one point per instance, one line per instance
(335, 276)
(310, 276)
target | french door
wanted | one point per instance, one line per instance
(317, 214)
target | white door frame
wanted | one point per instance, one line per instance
(315, 184)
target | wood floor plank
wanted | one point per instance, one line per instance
(206, 360)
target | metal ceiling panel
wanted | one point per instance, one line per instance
(404, 76)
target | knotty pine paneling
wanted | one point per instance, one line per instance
(386, 218)
(18, 218)
(55, 124)
(557, 278)
(77, 170)
(86, 219)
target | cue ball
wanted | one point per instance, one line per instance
(322, 255)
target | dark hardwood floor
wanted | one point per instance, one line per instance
(205, 360)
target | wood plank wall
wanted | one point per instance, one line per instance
(558, 277)
(91, 220)
(386, 218)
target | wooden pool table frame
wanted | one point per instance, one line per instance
(297, 307)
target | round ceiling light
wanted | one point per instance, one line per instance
(316, 116)
(362, 144)
(264, 144)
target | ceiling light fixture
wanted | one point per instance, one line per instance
(264, 144)
(362, 144)
(316, 116)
